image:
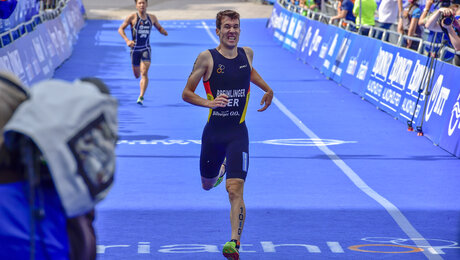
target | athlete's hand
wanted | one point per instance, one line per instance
(267, 99)
(130, 44)
(219, 101)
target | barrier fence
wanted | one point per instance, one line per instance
(34, 49)
(416, 89)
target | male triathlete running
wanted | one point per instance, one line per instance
(226, 72)
(141, 24)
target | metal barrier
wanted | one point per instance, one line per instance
(389, 36)
(29, 26)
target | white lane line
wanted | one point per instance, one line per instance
(395, 213)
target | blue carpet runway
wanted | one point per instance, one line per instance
(330, 176)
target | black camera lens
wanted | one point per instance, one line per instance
(448, 20)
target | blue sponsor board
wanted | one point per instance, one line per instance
(293, 32)
(16, 12)
(335, 46)
(35, 56)
(280, 22)
(343, 56)
(389, 74)
(300, 48)
(421, 79)
(442, 117)
(395, 79)
(315, 44)
(358, 64)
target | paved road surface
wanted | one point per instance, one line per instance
(176, 9)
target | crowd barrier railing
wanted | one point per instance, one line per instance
(417, 89)
(34, 49)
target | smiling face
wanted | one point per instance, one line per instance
(229, 32)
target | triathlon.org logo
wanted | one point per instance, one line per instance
(368, 245)
(454, 117)
(286, 142)
(220, 69)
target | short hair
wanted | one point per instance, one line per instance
(147, 1)
(229, 13)
(98, 83)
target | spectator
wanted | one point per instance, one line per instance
(345, 11)
(60, 230)
(431, 36)
(313, 5)
(387, 15)
(438, 22)
(367, 19)
(409, 23)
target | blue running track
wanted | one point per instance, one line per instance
(330, 176)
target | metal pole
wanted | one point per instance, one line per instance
(360, 15)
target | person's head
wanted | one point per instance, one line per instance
(12, 94)
(228, 27)
(98, 83)
(141, 5)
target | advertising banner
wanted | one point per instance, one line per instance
(35, 56)
(335, 46)
(280, 21)
(442, 117)
(343, 56)
(358, 65)
(293, 32)
(14, 12)
(315, 44)
(405, 84)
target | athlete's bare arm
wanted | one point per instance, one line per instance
(259, 81)
(121, 30)
(202, 69)
(158, 25)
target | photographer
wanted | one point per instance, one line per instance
(446, 19)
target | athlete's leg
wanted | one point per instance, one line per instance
(210, 163)
(145, 65)
(136, 71)
(235, 189)
(211, 157)
(136, 61)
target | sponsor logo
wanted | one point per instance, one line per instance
(415, 82)
(292, 25)
(243, 66)
(382, 65)
(438, 98)
(363, 70)
(454, 118)
(306, 40)
(374, 245)
(298, 29)
(315, 43)
(285, 142)
(220, 69)
(400, 72)
(352, 64)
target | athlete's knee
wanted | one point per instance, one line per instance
(144, 75)
(207, 184)
(235, 189)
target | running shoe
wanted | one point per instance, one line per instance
(230, 251)
(222, 172)
(140, 101)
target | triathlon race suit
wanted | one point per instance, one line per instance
(141, 37)
(225, 134)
